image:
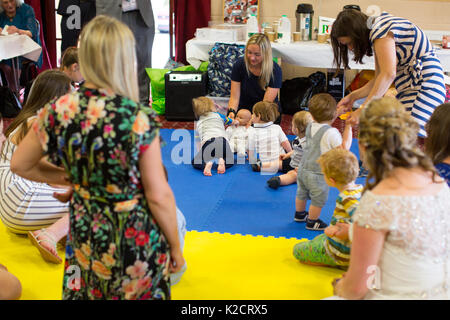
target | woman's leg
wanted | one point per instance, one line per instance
(49, 237)
(10, 287)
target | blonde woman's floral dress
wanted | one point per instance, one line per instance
(115, 249)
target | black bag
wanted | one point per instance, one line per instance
(9, 104)
(295, 93)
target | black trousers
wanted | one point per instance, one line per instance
(214, 148)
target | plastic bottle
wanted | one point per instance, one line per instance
(284, 30)
(252, 26)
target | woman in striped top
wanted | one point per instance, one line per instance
(27, 206)
(403, 55)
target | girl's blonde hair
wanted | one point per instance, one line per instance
(300, 120)
(389, 135)
(201, 106)
(48, 85)
(108, 56)
(266, 111)
(263, 42)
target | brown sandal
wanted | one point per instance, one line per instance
(45, 253)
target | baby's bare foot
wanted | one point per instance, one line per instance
(207, 170)
(221, 166)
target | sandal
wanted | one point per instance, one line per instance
(45, 253)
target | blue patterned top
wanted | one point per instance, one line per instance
(444, 171)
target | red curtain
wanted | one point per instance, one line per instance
(45, 13)
(189, 15)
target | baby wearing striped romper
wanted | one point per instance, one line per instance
(332, 248)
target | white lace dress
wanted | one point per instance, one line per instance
(414, 263)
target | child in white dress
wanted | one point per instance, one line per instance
(238, 136)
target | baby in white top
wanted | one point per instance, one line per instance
(238, 136)
(267, 139)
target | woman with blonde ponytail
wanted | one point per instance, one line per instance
(400, 246)
(255, 77)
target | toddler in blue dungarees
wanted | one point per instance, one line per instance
(320, 138)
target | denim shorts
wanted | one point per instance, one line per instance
(312, 186)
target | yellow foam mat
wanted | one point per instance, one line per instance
(229, 267)
(220, 267)
(40, 280)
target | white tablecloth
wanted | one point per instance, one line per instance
(304, 54)
(12, 46)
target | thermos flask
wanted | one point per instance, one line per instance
(304, 15)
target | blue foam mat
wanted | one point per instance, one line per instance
(238, 201)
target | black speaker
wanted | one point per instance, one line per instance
(181, 87)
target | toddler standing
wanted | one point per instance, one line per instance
(340, 168)
(320, 138)
(289, 162)
(267, 139)
(213, 141)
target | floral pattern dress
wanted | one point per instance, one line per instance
(115, 249)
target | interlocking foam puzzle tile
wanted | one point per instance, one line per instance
(40, 280)
(237, 267)
(220, 267)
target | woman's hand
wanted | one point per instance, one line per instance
(12, 30)
(231, 113)
(176, 260)
(345, 105)
(63, 197)
(337, 285)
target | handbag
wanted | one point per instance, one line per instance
(9, 104)
(221, 60)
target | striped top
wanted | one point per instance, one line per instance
(419, 79)
(26, 205)
(346, 204)
(444, 171)
(298, 144)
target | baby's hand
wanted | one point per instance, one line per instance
(235, 123)
(330, 231)
(340, 231)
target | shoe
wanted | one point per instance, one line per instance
(363, 172)
(315, 225)
(176, 277)
(301, 216)
(45, 253)
(256, 166)
(274, 182)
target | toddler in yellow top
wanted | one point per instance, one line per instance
(340, 168)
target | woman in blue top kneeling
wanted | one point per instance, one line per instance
(255, 77)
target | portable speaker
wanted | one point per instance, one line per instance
(181, 88)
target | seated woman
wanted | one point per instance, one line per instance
(20, 18)
(255, 77)
(27, 206)
(400, 228)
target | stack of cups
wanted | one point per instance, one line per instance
(275, 26)
(268, 31)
